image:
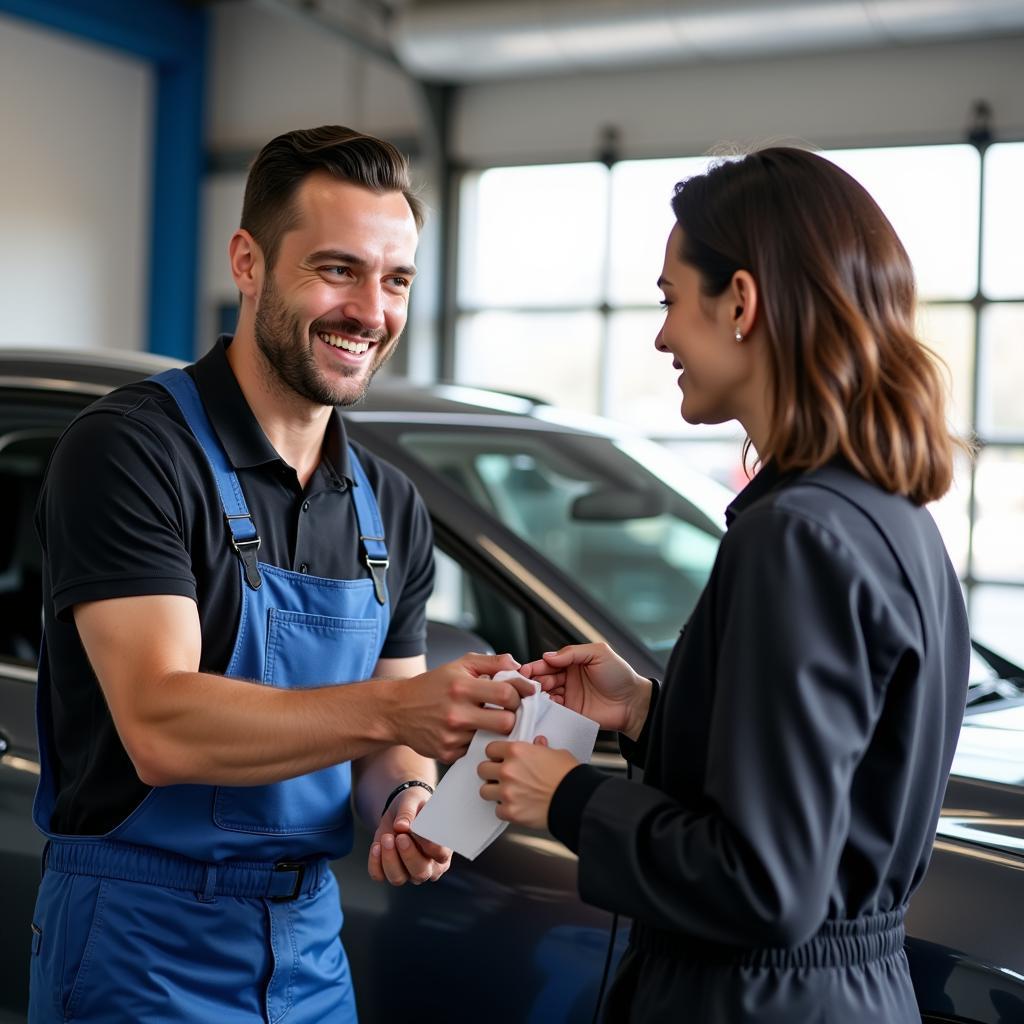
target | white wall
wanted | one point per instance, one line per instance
(74, 191)
(900, 95)
(271, 72)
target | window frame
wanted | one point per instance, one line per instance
(978, 304)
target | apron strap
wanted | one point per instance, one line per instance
(371, 528)
(244, 538)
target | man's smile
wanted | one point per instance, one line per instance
(356, 347)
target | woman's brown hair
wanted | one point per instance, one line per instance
(837, 304)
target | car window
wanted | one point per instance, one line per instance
(464, 600)
(632, 542)
(23, 456)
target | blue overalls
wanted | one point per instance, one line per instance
(216, 903)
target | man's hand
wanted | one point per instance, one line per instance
(437, 713)
(396, 855)
(592, 680)
(522, 778)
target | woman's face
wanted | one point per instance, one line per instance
(700, 333)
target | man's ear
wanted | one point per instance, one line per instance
(247, 265)
(744, 298)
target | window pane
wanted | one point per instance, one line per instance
(642, 384)
(999, 516)
(930, 194)
(952, 515)
(552, 356)
(996, 615)
(643, 388)
(720, 460)
(949, 332)
(1002, 271)
(533, 235)
(641, 220)
(1001, 409)
(640, 543)
(464, 600)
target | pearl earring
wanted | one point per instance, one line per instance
(739, 334)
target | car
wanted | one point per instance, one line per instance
(550, 529)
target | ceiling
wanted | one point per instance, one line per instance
(474, 40)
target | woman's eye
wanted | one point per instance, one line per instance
(664, 303)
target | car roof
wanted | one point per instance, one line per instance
(94, 372)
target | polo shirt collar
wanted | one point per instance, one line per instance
(238, 429)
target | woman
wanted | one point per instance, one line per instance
(796, 756)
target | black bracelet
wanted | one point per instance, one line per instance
(404, 786)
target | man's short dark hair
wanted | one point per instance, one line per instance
(268, 210)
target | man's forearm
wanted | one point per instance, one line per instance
(221, 731)
(377, 774)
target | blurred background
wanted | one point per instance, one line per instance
(546, 137)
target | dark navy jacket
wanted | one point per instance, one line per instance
(794, 763)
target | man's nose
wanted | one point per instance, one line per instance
(365, 303)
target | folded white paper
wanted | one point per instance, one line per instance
(456, 815)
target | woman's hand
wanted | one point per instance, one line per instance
(522, 779)
(592, 680)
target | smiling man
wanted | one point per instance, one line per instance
(219, 561)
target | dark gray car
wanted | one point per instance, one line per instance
(548, 531)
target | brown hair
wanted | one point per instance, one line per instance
(285, 162)
(849, 375)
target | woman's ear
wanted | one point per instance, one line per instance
(743, 303)
(246, 259)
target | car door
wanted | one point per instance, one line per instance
(30, 423)
(504, 938)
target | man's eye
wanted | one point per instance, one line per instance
(336, 271)
(400, 282)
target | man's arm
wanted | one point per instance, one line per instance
(376, 774)
(180, 725)
(395, 854)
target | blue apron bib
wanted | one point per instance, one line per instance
(216, 902)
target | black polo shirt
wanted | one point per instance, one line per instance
(129, 507)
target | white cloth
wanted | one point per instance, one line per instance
(456, 815)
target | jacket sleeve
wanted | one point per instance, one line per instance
(801, 646)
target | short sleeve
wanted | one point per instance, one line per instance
(109, 515)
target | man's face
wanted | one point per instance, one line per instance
(331, 311)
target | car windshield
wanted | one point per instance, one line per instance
(638, 536)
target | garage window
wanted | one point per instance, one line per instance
(556, 299)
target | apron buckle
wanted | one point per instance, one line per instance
(246, 550)
(378, 570)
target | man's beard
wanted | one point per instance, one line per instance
(289, 350)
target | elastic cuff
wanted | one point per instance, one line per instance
(565, 815)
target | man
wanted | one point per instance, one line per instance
(209, 530)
